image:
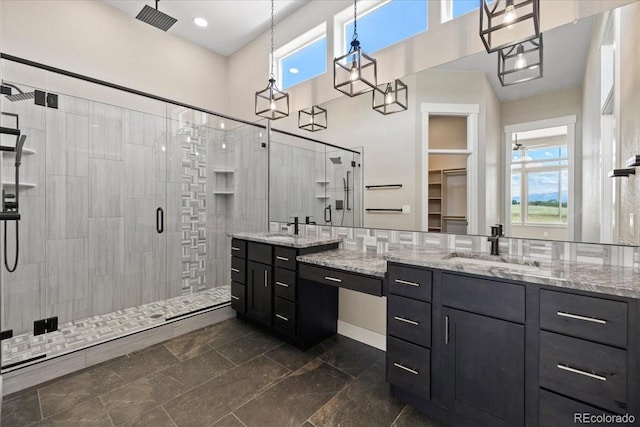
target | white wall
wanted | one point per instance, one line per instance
(248, 68)
(93, 38)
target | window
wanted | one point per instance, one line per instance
(452, 9)
(540, 177)
(387, 24)
(303, 58)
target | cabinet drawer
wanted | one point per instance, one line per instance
(285, 284)
(495, 299)
(584, 317)
(238, 270)
(559, 411)
(409, 367)
(589, 372)
(284, 316)
(238, 297)
(238, 248)
(409, 319)
(355, 282)
(410, 282)
(259, 252)
(285, 258)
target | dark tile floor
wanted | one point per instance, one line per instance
(228, 374)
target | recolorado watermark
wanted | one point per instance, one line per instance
(602, 418)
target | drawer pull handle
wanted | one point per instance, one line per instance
(414, 372)
(282, 284)
(281, 258)
(579, 372)
(405, 282)
(333, 279)
(233, 248)
(402, 319)
(282, 317)
(578, 317)
(235, 270)
(266, 282)
(235, 297)
(446, 329)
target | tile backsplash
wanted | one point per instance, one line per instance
(381, 241)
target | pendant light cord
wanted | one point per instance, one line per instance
(271, 75)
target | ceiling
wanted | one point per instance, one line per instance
(564, 54)
(232, 23)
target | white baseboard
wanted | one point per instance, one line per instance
(363, 335)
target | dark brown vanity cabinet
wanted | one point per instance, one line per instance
(478, 351)
(266, 290)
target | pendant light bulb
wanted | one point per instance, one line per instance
(510, 14)
(354, 75)
(521, 61)
(272, 106)
(388, 99)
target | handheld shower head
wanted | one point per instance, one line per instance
(19, 148)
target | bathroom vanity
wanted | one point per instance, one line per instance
(265, 288)
(472, 339)
(511, 345)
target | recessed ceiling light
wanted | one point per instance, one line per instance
(200, 22)
(294, 70)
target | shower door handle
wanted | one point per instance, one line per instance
(159, 220)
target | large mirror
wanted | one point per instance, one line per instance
(469, 153)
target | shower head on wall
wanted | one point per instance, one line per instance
(20, 96)
(156, 18)
(336, 160)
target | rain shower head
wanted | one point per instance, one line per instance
(336, 160)
(156, 18)
(20, 96)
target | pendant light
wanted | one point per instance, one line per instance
(312, 119)
(521, 62)
(272, 103)
(507, 22)
(354, 73)
(391, 97)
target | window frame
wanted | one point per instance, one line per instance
(295, 45)
(345, 17)
(534, 166)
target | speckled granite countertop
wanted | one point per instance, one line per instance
(604, 279)
(346, 260)
(285, 239)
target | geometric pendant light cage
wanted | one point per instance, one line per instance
(506, 22)
(521, 62)
(391, 97)
(271, 103)
(312, 119)
(355, 72)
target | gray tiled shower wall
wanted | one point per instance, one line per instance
(88, 244)
(381, 241)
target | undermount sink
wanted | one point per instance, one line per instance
(493, 261)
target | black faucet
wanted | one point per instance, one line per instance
(496, 233)
(307, 220)
(296, 225)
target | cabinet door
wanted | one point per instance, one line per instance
(260, 295)
(484, 368)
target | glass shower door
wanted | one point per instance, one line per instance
(24, 292)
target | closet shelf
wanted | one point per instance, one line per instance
(223, 193)
(223, 171)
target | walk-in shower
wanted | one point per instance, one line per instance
(94, 263)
